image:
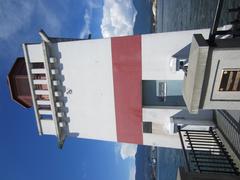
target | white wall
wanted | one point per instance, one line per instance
(161, 117)
(157, 50)
(87, 70)
(35, 52)
(162, 140)
(48, 127)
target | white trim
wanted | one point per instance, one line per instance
(54, 71)
(89, 76)
(39, 81)
(47, 112)
(56, 83)
(38, 71)
(28, 67)
(50, 90)
(43, 102)
(41, 92)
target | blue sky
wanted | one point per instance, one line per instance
(25, 155)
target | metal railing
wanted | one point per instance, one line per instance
(46, 96)
(230, 129)
(204, 152)
(234, 31)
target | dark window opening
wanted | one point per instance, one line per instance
(162, 93)
(147, 127)
(37, 65)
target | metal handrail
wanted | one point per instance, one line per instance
(52, 98)
(208, 156)
(215, 24)
(183, 147)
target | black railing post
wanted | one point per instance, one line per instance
(193, 151)
(223, 150)
(207, 152)
(215, 23)
(183, 147)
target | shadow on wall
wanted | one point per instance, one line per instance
(204, 118)
(64, 91)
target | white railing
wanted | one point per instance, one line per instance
(45, 93)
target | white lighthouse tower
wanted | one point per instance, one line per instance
(102, 88)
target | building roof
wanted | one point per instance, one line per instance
(18, 83)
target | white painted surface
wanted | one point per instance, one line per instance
(43, 102)
(48, 127)
(57, 93)
(162, 134)
(87, 70)
(193, 82)
(41, 92)
(56, 83)
(162, 140)
(30, 76)
(157, 50)
(45, 112)
(161, 119)
(54, 71)
(35, 52)
(59, 104)
(38, 71)
(160, 116)
(39, 81)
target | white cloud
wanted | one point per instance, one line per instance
(132, 172)
(118, 18)
(128, 151)
(86, 28)
(91, 5)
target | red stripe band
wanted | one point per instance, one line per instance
(127, 79)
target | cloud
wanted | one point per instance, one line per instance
(132, 172)
(86, 28)
(118, 18)
(90, 6)
(128, 151)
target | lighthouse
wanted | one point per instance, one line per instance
(120, 89)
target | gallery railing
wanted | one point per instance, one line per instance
(230, 129)
(204, 152)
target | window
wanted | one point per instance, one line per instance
(162, 93)
(147, 127)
